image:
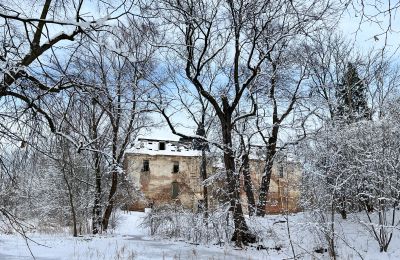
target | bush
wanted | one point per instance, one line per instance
(176, 222)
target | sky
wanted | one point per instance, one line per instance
(366, 36)
(363, 33)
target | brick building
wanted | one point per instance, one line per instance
(169, 172)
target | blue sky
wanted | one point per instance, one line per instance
(366, 36)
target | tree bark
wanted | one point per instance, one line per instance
(71, 203)
(266, 178)
(111, 198)
(97, 207)
(203, 171)
(248, 184)
(96, 220)
(342, 209)
(242, 235)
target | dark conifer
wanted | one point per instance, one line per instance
(351, 97)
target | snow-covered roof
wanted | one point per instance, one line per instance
(163, 147)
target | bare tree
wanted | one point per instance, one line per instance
(111, 109)
(30, 39)
(246, 134)
(27, 36)
(327, 55)
(225, 39)
(282, 108)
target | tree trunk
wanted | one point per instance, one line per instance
(111, 198)
(203, 171)
(242, 235)
(264, 189)
(97, 207)
(96, 220)
(342, 209)
(71, 203)
(248, 184)
(267, 174)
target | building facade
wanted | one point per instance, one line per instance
(168, 172)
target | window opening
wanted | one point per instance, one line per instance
(175, 190)
(161, 146)
(146, 166)
(281, 170)
(175, 169)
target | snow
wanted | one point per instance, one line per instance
(130, 241)
(172, 148)
(127, 241)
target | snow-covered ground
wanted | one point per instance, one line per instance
(127, 241)
(130, 241)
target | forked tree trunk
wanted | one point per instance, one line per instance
(248, 184)
(242, 235)
(266, 178)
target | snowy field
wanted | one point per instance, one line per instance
(130, 241)
(127, 241)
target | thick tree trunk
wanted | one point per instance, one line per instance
(242, 235)
(111, 198)
(248, 184)
(264, 189)
(266, 178)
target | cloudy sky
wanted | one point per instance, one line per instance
(366, 35)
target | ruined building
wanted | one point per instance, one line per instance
(169, 172)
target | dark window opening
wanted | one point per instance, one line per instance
(175, 190)
(281, 170)
(161, 146)
(175, 169)
(146, 166)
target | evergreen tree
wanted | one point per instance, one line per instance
(351, 97)
(351, 107)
